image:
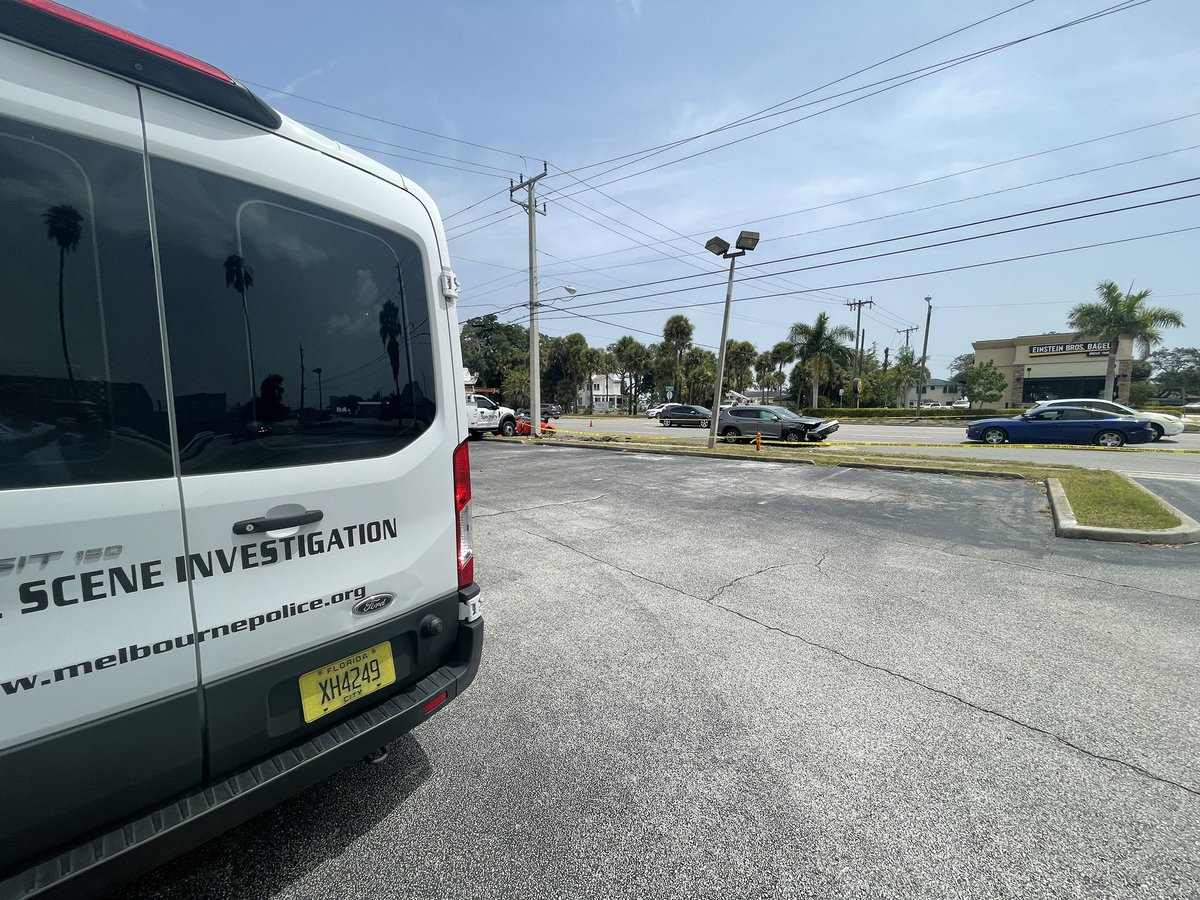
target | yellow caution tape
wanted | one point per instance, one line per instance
(749, 439)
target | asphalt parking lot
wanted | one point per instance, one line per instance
(710, 678)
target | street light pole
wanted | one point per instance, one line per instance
(746, 242)
(320, 394)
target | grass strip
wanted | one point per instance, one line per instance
(1108, 500)
(1098, 497)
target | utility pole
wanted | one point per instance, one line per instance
(858, 344)
(906, 332)
(924, 351)
(535, 362)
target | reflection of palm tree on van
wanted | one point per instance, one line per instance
(240, 276)
(389, 331)
(64, 225)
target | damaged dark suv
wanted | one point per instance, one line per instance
(739, 423)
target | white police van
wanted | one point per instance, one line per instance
(234, 486)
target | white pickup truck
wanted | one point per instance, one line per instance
(483, 415)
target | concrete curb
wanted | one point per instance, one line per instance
(1067, 526)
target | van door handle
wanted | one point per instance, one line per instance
(276, 523)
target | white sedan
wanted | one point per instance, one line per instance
(1164, 424)
(653, 411)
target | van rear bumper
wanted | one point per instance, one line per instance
(157, 835)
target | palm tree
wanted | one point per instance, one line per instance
(783, 353)
(240, 277)
(64, 225)
(1118, 315)
(764, 370)
(677, 337)
(739, 361)
(819, 348)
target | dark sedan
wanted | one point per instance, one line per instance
(774, 423)
(1063, 425)
(681, 414)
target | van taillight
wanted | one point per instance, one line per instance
(462, 515)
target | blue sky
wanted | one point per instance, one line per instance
(495, 88)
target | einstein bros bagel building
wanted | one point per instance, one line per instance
(1055, 366)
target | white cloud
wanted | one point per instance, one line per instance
(630, 11)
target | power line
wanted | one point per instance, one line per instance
(746, 119)
(917, 75)
(933, 180)
(925, 274)
(924, 234)
(361, 115)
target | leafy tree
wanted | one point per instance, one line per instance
(820, 349)
(739, 363)
(960, 365)
(677, 338)
(1139, 393)
(1120, 314)
(568, 363)
(984, 384)
(764, 371)
(1177, 371)
(515, 387)
(491, 349)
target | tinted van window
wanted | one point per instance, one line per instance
(297, 335)
(82, 396)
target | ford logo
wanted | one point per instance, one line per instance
(373, 604)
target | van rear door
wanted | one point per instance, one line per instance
(315, 422)
(99, 706)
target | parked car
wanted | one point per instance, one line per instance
(653, 411)
(682, 414)
(931, 404)
(551, 411)
(740, 423)
(1164, 424)
(961, 403)
(1063, 425)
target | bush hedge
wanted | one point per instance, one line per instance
(900, 413)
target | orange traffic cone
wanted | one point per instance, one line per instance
(758, 442)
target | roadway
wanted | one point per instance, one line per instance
(1145, 460)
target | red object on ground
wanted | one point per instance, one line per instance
(524, 429)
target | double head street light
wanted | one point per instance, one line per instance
(746, 242)
(535, 360)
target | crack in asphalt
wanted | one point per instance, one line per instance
(505, 512)
(821, 562)
(908, 679)
(725, 587)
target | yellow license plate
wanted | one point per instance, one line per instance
(331, 687)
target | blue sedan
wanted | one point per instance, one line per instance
(1063, 425)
